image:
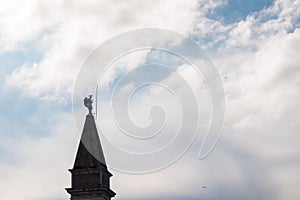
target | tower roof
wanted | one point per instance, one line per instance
(89, 153)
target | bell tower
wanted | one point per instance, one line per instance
(90, 175)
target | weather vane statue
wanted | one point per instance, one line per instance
(88, 101)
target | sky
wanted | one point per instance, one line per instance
(254, 46)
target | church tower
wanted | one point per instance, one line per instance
(90, 176)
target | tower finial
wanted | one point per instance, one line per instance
(88, 101)
(90, 175)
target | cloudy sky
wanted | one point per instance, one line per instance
(255, 46)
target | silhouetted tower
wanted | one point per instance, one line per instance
(90, 176)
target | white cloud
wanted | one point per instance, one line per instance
(262, 91)
(74, 29)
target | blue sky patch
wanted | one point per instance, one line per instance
(237, 10)
(28, 54)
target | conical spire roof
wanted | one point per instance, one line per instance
(89, 153)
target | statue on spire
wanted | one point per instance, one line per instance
(88, 101)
